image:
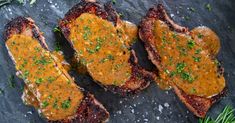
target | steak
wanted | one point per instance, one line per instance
(139, 78)
(89, 109)
(199, 105)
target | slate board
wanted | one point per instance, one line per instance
(151, 105)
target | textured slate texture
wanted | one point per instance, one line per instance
(152, 105)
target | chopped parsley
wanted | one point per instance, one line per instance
(193, 90)
(196, 59)
(66, 104)
(109, 57)
(45, 104)
(198, 51)
(50, 79)
(90, 51)
(114, 1)
(42, 61)
(192, 9)
(200, 35)
(180, 67)
(57, 46)
(191, 44)
(11, 81)
(1, 91)
(38, 81)
(55, 104)
(208, 6)
(86, 33)
(57, 29)
(187, 76)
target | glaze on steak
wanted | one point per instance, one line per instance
(89, 110)
(140, 78)
(197, 104)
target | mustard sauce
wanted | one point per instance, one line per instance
(47, 82)
(208, 40)
(103, 48)
(186, 63)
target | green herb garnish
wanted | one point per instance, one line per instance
(200, 35)
(192, 9)
(3, 2)
(198, 51)
(11, 81)
(187, 76)
(196, 59)
(180, 67)
(66, 104)
(114, 1)
(208, 7)
(39, 81)
(57, 29)
(1, 91)
(45, 104)
(50, 79)
(191, 44)
(226, 116)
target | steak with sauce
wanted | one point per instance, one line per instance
(184, 59)
(24, 42)
(102, 43)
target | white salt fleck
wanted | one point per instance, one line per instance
(160, 108)
(119, 112)
(120, 102)
(132, 111)
(172, 15)
(158, 117)
(166, 105)
(146, 120)
(177, 12)
(29, 112)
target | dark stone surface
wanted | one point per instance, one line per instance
(145, 106)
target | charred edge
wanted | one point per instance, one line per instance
(15, 26)
(77, 10)
(21, 24)
(89, 111)
(198, 105)
(112, 14)
(158, 12)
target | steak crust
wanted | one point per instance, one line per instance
(90, 110)
(196, 104)
(140, 78)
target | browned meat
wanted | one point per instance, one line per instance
(140, 78)
(198, 105)
(89, 110)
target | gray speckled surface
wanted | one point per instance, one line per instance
(151, 105)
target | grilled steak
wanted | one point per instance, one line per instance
(102, 44)
(56, 95)
(184, 59)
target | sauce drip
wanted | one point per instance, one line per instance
(103, 48)
(186, 63)
(207, 39)
(47, 81)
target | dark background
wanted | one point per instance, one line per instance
(151, 105)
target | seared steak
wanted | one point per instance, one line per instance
(185, 61)
(24, 41)
(88, 27)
